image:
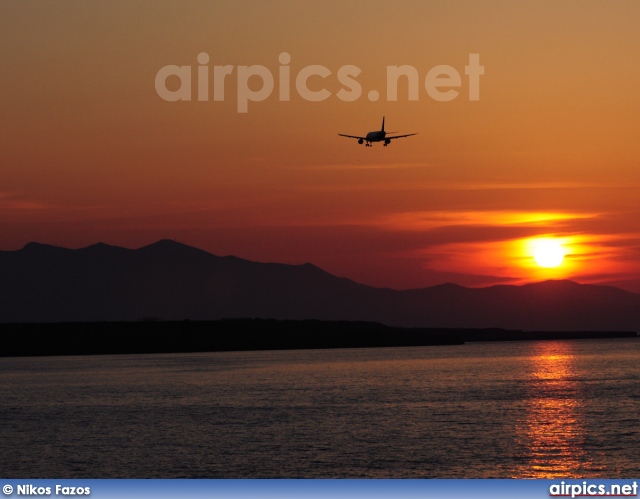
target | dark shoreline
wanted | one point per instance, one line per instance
(102, 338)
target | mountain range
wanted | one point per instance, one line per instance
(172, 281)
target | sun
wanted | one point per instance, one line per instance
(548, 253)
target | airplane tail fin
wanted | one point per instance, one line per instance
(383, 123)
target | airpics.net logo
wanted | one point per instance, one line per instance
(257, 83)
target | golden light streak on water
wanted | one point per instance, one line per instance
(553, 432)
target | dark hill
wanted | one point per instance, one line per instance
(172, 281)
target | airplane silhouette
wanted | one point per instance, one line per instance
(377, 136)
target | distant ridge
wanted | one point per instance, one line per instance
(173, 281)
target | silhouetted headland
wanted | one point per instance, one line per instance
(153, 336)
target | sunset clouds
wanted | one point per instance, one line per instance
(89, 152)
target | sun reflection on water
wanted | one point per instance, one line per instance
(553, 432)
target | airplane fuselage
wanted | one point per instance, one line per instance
(376, 136)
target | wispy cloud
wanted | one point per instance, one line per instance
(439, 219)
(16, 202)
(368, 166)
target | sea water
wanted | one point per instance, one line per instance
(518, 409)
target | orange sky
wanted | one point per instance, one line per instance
(90, 152)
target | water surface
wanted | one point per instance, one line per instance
(521, 409)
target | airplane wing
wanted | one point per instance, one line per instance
(401, 136)
(352, 136)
